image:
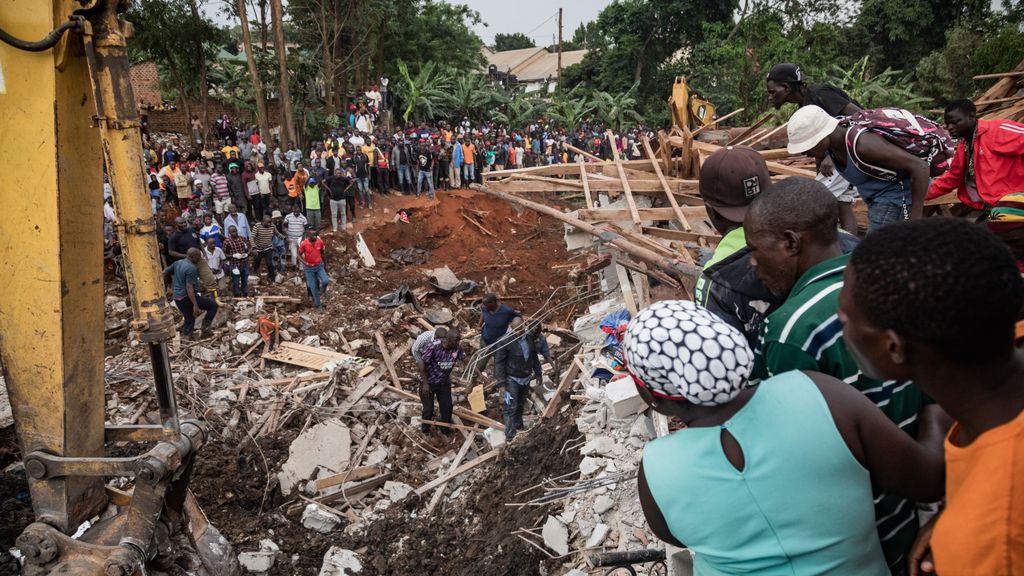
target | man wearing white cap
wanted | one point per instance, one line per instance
(758, 480)
(901, 197)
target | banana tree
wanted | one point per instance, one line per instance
(618, 110)
(570, 109)
(425, 95)
(520, 110)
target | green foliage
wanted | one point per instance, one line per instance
(618, 110)
(425, 94)
(516, 41)
(570, 109)
(474, 96)
(430, 31)
(520, 109)
(889, 88)
(168, 33)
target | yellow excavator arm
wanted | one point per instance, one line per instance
(66, 111)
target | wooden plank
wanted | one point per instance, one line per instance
(716, 122)
(753, 128)
(680, 236)
(365, 486)
(998, 75)
(764, 137)
(567, 379)
(584, 153)
(306, 356)
(668, 192)
(620, 214)
(586, 186)
(625, 181)
(999, 100)
(383, 347)
(597, 184)
(353, 475)
(777, 168)
(627, 290)
(462, 469)
(459, 457)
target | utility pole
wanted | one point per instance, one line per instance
(558, 86)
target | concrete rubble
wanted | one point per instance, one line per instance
(324, 446)
(262, 560)
(340, 562)
(317, 518)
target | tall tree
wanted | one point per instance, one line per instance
(284, 92)
(516, 41)
(257, 85)
(204, 91)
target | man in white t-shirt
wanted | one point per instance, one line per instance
(264, 185)
(295, 228)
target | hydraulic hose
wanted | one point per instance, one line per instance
(49, 41)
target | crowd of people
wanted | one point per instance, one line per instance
(832, 389)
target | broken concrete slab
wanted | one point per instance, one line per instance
(597, 537)
(204, 354)
(397, 490)
(602, 445)
(340, 562)
(624, 398)
(556, 536)
(247, 338)
(261, 561)
(364, 251)
(438, 315)
(603, 503)
(496, 438)
(325, 445)
(444, 278)
(245, 325)
(590, 465)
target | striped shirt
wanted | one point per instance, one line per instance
(806, 334)
(262, 237)
(295, 224)
(219, 184)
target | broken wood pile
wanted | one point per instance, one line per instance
(1005, 98)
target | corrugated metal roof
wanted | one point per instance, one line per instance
(547, 65)
(511, 60)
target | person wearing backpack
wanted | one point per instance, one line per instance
(787, 84)
(889, 154)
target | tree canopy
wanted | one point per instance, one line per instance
(514, 41)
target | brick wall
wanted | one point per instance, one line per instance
(176, 121)
(145, 78)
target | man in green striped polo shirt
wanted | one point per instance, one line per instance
(792, 232)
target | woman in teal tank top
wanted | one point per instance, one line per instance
(767, 480)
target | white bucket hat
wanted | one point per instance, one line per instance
(808, 126)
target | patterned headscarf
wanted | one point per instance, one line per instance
(678, 350)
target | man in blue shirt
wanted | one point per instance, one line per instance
(185, 291)
(516, 363)
(494, 321)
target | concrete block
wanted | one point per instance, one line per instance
(603, 503)
(602, 445)
(204, 354)
(340, 562)
(556, 536)
(590, 465)
(496, 438)
(247, 338)
(397, 490)
(245, 325)
(261, 561)
(624, 398)
(316, 518)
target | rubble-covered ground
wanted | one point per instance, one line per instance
(560, 487)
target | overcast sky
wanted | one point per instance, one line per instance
(538, 19)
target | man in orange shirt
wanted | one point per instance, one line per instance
(935, 301)
(468, 159)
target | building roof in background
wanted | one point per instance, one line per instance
(530, 64)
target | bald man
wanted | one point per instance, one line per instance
(185, 292)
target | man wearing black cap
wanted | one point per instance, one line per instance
(787, 84)
(730, 179)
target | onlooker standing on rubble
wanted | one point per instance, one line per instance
(494, 321)
(238, 220)
(436, 365)
(185, 292)
(219, 188)
(786, 83)
(730, 179)
(264, 185)
(214, 257)
(263, 235)
(182, 240)
(340, 186)
(312, 250)
(935, 302)
(791, 230)
(236, 249)
(516, 364)
(311, 195)
(754, 482)
(989, 160)
(425, 164)
(295, 228)
(424, 340)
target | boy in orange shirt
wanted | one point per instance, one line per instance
(935, 301)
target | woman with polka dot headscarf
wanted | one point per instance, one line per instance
(767, 479)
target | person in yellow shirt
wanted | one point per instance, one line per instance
(229, 147)
(936, 301)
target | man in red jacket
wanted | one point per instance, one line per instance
(989, 160)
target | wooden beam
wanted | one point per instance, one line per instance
(458, 410)
(998, 75)
(716, 122)
(764, 137)
(668, 192)
(353, 475)
(680, 236)
(586, 186)
(621, 214)
(439, 492)
(753, 128)
(999, 100)
(462, 469)
(626, 289)
(567, 379)
(625, 181)
(365, 486)
(383, 346)
(584, 153)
